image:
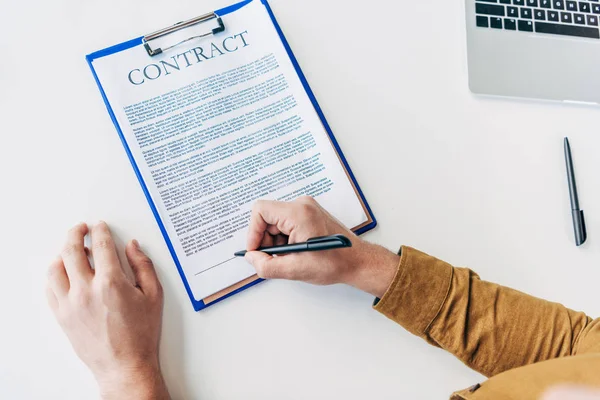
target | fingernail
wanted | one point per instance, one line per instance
(136, 244)
(248, 257)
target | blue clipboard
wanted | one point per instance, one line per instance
(201, 304)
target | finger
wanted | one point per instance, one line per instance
(281, 240)
(143, 269)
(265, 213)
(76, 262)
(269, 267)
(106, 260)
(273, 230)
(267, 241)
(58, 281)
(51, 298)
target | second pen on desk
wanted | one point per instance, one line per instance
(576, 212)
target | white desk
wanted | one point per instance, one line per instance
(478, 182)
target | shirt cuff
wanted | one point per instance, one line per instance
(417, 292)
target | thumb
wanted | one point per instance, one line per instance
(269, 267)
(143, 269)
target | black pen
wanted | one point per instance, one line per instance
(577, 213)
(314, 244)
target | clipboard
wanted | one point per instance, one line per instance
(148, 42)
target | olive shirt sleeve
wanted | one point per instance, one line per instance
(489, 327)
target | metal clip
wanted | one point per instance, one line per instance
(179, 26)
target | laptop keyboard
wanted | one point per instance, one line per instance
(557, 17)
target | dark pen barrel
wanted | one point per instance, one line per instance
(314, 244)
(571, 176)
(289, 248)
(576, 212)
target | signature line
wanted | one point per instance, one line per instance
(215, 266)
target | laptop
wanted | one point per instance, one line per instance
(540, 49)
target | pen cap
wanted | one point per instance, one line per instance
(340, 239)
(328, 242)
(579, 226)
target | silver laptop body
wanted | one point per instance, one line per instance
(531, 54)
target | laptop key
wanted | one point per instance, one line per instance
(546, 3)
(571, 5)
(526, 26)
(482, 21)
(496, 22)
(512, 12)
(553, 16)
(532, 3)
(592, 20)
(566, 17)
(596, 8)
(568, 30)
(526, 13)
(579, 19)
(540, 15)
(584, 7)
(519, 2)
(505, 2)
(558, 4)
(489, 9)
(510, 24)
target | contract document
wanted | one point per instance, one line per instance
(211, 126)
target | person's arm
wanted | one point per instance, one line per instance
(113, 323)
(489, 327)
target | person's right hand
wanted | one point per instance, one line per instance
(365, 266)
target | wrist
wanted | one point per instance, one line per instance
(143, 382)
(374, 269)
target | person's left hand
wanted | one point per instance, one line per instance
(113, 323)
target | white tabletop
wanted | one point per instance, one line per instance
(476, 181)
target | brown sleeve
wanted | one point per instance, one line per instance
(489, 327)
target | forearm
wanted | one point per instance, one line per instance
(374, 269)
(489, 327)
(143, 384)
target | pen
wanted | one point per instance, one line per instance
(577, 213)
(314, 244)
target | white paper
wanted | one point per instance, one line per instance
(216, 124)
